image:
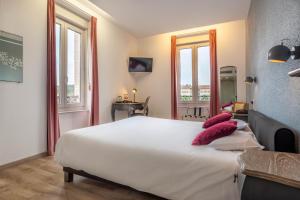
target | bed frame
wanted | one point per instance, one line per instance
(69, 177)
(272, 134)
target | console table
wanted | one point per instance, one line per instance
(270, 175)
(130, 107)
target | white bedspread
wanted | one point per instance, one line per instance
(152, 155)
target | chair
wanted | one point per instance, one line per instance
(144, 111)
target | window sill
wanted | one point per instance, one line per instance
(72, 111)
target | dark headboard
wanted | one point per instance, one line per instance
(274, 135)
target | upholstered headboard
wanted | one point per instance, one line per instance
(274, 135)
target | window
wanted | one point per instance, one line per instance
(203, 68)
(193, 73)
(70, 62)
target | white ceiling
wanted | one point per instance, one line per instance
(148, 17)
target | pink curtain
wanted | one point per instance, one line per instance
(52, 115)
(94, 119)
(214, 94)
(173, 79)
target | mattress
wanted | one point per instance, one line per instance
(153, 155)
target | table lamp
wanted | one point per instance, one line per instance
(134, 91)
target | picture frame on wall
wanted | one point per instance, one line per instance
(11, 57)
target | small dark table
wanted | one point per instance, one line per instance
(270, 175)
(130, 107)
(240, 116)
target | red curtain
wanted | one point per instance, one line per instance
(94, 119)
(173, 79)
(52, 115)
(214, 94)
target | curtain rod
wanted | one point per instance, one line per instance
(71, 7)
(192, 34)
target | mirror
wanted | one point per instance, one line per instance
(228, 85)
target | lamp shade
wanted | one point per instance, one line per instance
(250, 79)
(134, 90)
(279, 54)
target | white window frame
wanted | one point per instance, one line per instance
(195, 95)
(63, 106)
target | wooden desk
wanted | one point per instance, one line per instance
(129, 107)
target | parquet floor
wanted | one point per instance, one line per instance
(42, 179)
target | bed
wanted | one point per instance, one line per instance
(156, 156)
(152, 155)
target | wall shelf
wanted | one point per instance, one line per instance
(295, 73)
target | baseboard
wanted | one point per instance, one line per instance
(18, 162)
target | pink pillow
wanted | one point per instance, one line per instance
(227, 104)
(214, 132)
(217, 119)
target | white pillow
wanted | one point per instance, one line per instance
(228, 108)
(237, 141)
(241, 125)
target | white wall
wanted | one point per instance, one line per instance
(23, 106)
(115, 47)
(231, 46)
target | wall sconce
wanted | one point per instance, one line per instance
(281, 53)
(250, 79)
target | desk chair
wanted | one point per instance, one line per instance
(143, 112)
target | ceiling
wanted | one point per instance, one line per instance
(149, 17)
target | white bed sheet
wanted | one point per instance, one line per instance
(152, 155)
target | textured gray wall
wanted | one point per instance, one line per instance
(276, 94)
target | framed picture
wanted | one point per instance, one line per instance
(11, 57)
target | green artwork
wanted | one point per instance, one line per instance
(11, 57)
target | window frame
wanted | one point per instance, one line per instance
(195, 95)
(63, 106)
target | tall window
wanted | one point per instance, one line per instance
(193, 73)
(70, 62)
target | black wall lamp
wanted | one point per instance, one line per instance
(281, 53)
(250, 79)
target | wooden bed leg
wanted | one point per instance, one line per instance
(68, 177)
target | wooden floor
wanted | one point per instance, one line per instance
(42, 179)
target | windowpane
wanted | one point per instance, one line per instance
(58, 51)
(203, 73)
(186, 74)
(73, 67)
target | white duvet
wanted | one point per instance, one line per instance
(152, 155)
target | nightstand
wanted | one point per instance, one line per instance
(240, 116)
(270, 175)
